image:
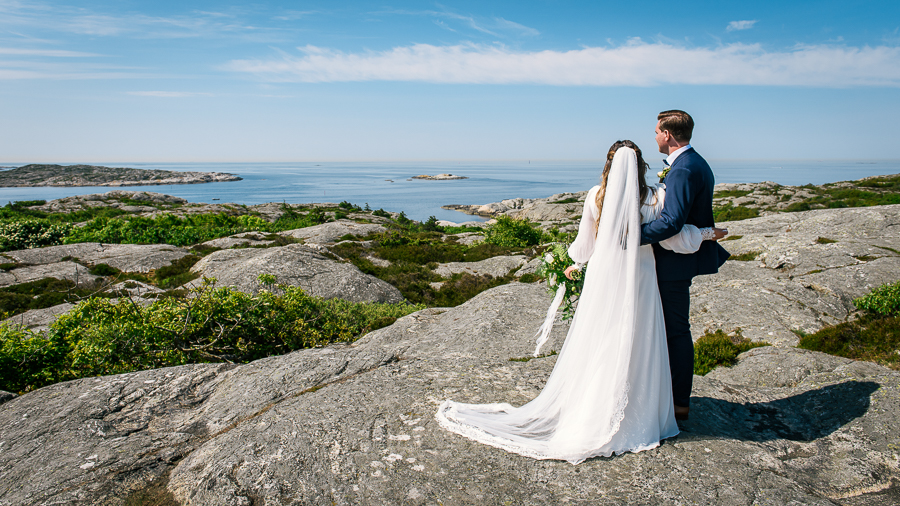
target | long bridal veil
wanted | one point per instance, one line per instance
(579, 412)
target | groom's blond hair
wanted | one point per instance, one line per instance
(679, 124)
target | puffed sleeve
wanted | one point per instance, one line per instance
(583, 247)
(687, 241)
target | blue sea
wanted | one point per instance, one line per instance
(388, 185)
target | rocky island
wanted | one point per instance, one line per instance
(353, 423)
(439, 177)
(93, 175)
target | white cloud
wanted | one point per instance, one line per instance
(168, 94)
(636, 63)
(58, 53)
(512, 25)
(741, 25)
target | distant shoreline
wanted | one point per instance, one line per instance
(70, 176)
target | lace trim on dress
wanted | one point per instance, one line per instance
(447, 418)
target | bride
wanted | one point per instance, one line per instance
(610, 391)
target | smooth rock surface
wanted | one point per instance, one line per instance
(295, 265)
(6, 396)
(39, 320)
(797, 283)
(331, 232)
(354, 424)
(125, 257)
(496, 266)
(59, 270)
(242, 239)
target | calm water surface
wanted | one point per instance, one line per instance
(387, 184)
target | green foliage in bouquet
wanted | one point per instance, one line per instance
(553, 265)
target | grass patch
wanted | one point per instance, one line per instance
(531, 357)
(719, 349)
(870, 338)
(730, 212)
(865, 258)
(892, 250)
(176, 274)
(732, 238)
(570, 200)
(825, 240)
(731, 193)
(745, 257)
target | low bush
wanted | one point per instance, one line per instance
(715, 349)
(99, 337)
(882, 301)
(512, 233)
(31, 233)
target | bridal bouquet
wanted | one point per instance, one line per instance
(553, 266)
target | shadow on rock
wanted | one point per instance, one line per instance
(803, 417)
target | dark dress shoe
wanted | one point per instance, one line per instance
(682, 412)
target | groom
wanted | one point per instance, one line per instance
(689, 194)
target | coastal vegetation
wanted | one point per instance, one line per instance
(744, 201)
(715, 349)
(100, 337)
(874, 337)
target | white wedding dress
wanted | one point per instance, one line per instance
(610, 391)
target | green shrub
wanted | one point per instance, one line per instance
(103, 270)
(882, 301)
(729, 212)
(99, 337)
(871, 338)
(713, 350)
(26, 234)
(177, 273)
(512, 233)
(824, 240)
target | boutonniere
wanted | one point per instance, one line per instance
(662, 174)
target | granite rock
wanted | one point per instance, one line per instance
(125, 257)
(39, 320)
(297, 265)
(331, 232)
(354, 424)
(60, 270)
(498, 266)
(798, 282)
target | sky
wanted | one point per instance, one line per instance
(166, 81)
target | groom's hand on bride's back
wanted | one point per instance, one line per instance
(719, 233)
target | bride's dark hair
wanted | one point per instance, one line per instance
(642, 166)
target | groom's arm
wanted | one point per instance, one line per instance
(679, 198)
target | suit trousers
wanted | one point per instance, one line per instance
(676, 303)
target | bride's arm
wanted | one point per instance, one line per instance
(689, 239)
(583, 247)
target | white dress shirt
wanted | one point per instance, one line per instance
(675, 154)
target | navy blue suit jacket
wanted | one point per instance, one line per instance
(689, 195)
